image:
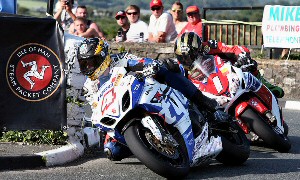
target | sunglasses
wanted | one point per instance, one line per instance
(177, 10)
(155, 8)
(192, 13)
(120, 17)
(134, 13)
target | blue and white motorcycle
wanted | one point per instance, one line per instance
(161, 128)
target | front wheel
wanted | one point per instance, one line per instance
(279, 142)
(166, 161)
(236, 147)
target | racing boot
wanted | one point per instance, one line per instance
(114, 150)
(205, 103)
(277, 91)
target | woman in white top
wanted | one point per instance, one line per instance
(136, 25)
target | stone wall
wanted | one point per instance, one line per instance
(285, 73)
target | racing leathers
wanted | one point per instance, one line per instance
(239, 56)
(148, 67)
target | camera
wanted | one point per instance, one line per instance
(67, 2)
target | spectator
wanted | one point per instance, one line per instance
(82, 29)
(194, 22)
(284, 53)
(65, 13)
(161, 26)
(81, 11)
(177, 13)
(124, 24)
(137, 26)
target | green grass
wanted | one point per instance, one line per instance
(31, 4)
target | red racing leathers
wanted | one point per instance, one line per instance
(224, 51)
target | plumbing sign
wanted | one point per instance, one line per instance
(281, 26)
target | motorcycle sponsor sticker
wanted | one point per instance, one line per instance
(157, 98)
(33, 72)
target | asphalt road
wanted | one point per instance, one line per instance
(263, 164)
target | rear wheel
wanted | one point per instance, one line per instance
(169, 162)
(236, 148)
(279, 142)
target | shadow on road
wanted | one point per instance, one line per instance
(257, 166)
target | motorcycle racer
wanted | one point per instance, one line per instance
(189, 46)
(95, 61)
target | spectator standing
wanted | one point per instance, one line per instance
(81, 11)
(177, 13)
(161, 26)
(65, 13)
(82, 29)
(124, 24)
(194, 22)
(137, 26)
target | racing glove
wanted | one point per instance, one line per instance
(243, 59)
(171, 65)
(150, 70)
(246, 63)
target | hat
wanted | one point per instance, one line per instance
(120, 13)
(192, 9)
(156, 3)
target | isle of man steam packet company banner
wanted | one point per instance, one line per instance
(32, 88)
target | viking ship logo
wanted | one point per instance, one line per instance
(33, 72)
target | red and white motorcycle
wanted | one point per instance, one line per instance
(242, 95)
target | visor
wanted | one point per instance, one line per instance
(89, 65)
(202, 67)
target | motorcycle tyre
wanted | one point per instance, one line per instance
(151, 158)
(278, 142)
(234, 154)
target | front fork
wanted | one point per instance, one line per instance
(256, 104)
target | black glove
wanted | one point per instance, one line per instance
(252, 66)
(243, 59)
(246, 63)
(171, 65)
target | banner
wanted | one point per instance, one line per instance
(32, 81)
(281, 26)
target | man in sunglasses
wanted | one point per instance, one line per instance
(138, 28)
(161, 26)
(194, 22)
(177, 13)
